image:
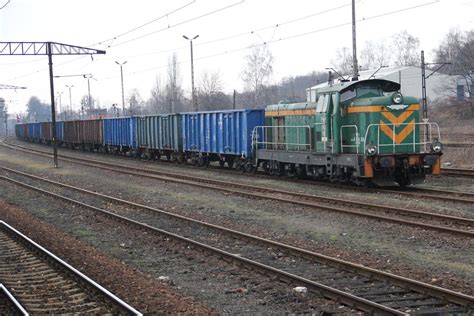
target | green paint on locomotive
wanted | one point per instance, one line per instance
(346, 118)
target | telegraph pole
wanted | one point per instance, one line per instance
(193, 94)
(49, 49)
(121, 77)
(355, 65)
(423, 81)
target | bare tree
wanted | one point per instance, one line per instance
(406, 51)
(458, 49)
(343, 61)
(382, 54)
(135, 102)
(156, 102)
(257, 71)
(210, 93)
(173, 90)
(367, 55)
(374, 55)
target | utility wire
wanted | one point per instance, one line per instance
(180, 23)
(136, 28)
(274, 26)
(291, 36)
(143, 25)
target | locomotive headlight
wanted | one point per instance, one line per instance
(371, 149)
(397, 98)
(436, 146)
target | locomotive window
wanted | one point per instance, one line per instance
(348, 94)
(327, 99)
(319, 107)
(369, 91)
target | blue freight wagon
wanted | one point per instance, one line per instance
(34, 132)
(47, 132)
(160, 135)
(21, 131)
(120, 134)
(60, 131)
(224, 136)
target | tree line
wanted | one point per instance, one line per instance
(168, 96)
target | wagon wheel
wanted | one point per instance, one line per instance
(201, 161)
(230, 162)
(266, 167)
(221, 163)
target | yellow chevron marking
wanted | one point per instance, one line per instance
(400, 137)
(400, 119)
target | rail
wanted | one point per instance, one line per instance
(13, 300)
(71, 269)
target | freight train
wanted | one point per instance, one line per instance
(354, 131)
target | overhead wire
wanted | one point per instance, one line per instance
(180, 23)
(291, 36)
(272, 26)
(136, 28)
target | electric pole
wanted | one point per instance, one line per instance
(355, 65)
(193, 94)
(423, 81)
(49, 49)
(121, 77)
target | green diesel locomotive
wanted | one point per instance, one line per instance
(352, 131)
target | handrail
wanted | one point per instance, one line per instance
(357, 141)
(428, 136)
(262, 131)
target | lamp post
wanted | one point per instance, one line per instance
(89, 77)
(193, 94)
(121, 77)
(70, 99)
(60, 102)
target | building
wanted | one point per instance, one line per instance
(437, 85)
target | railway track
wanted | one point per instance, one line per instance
(460, 173)
(403, 216)
(44, 284)
(359, 287)
(431, 194)
(9, 305)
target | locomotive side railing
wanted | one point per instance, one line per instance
(356, 138)
(430, 134)
(261, 134)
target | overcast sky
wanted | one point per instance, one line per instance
(303, 36)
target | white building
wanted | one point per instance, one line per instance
(437, 85)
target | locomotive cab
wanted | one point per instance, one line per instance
(385, 127)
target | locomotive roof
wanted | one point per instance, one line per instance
(386, 85)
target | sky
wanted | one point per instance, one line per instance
(302, 35)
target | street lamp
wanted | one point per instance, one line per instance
(60, 101)
(193, 94)
(88, 77)
(70, 99)
(121, 76)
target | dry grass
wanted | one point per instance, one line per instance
(459, 157)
